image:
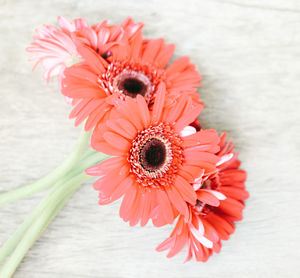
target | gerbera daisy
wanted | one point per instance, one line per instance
(134, 68)
(55, 49)
(213, 214)
(153, 165)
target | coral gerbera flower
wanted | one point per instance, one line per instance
(213, 214)
(135, 68)
(55, 49)
(153, 165)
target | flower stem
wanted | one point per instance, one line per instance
(92, 158)
(43, 215)
(55, 203)
(52, 177)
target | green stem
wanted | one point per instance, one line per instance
(52, 177)
(53, 203)
(93, 158)
(56, 202)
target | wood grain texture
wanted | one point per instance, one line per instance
(248, 53)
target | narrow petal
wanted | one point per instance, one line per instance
(217, 194)
(186, 190)
(207, 198)
(108, 184)
(144, 111)
(107, 149)
(122, 188)
(128, 201)
(205, 137)
(164, 57)
(106, 165)
(178, 65)
(122, 127)
(117, 141)
(159, 103)
(147, 209)
(151, 50)
(189, 117)
(95, 61)
(210, 232)
(200, 157)
(165, 206)
(165, 245)
(136, 209)
(179, 243)
(235, 192)
(178, 201)
(232, 207)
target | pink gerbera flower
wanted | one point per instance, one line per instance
(55, 49)
(153, 165)
(134, 68)
(213, 214)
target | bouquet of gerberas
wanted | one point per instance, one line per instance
(141, 138)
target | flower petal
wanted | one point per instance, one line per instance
(158, 103)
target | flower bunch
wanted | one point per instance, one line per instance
(147, 145)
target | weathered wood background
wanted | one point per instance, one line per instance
(248, 53)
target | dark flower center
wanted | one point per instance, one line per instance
(153, 154)
(132, 87)
(132, 83)
(156, 155)
(106, 54)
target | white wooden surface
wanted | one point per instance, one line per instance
(248, 53)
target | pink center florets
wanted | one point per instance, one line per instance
(124, 79)
(156, 155)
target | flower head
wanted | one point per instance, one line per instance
(219, 203)
(55, 48)
(134, 68)
(153, 165)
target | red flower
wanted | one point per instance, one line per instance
(213, 214)
(153, 165)
(135, 67)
